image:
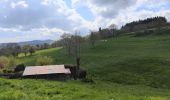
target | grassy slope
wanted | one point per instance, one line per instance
(126, 60)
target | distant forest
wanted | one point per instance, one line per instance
(145, 24)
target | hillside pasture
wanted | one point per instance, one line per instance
(123, 68)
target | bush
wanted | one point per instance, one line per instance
(20, 67)
(82, 74)
(45, 60)
(7, 61)
(7, 71)
(12, 62)
(4, 61)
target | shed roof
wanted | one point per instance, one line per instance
(49, 69)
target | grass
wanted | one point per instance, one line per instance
(30, 89)
(123, 68)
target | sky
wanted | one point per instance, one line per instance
(25, 20)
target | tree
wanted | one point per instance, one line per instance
(100, 29)
(38, 47)
(16, 50)
(113, 29)
(54, 44)
(92, 39)
(32, 50)
(154, 22)
(25, 49)
(66, 42)
(112, 26)
(76, 39)
(46, 46)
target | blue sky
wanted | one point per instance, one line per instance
(24, 20)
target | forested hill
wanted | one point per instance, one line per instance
(145, 24)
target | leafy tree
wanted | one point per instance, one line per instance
(16, 50)
(46, 46)
(32, 50)
(25, 49)
(10, 49)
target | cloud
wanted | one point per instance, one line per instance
(48, 19)
(39, 13)
(106, 8)
(40, 17)
(20, 3)
(119, 12)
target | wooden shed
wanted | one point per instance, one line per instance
(47, 72)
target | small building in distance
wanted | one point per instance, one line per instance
(58, 72)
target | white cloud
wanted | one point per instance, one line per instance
(19, 4)
(41, 13)
(42, 19)
(119, 12)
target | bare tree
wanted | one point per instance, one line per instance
(76, 47)
(66, 42)
(113, 29)
(92, 39)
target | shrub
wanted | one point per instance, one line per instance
(82, 73)
(7, 62)
(12, 62)
(7, 71)
(4, 61)
(20, 67)
(45, 60)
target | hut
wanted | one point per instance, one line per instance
(47, 72)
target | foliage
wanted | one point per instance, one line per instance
(44, 60)
(7, 70)
(20, 67)
(32, 49)
(10, 49)
(4, 61)
(145, 24)
(25, 49)
(8, 62)
(12, 62)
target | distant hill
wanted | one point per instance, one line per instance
(148, 23)
(34, 42)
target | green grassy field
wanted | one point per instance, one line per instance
(123, 68)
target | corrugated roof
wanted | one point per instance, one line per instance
(50, 69)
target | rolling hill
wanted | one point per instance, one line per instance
(34, 42)
(123, 68)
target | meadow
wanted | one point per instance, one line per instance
(122, 68)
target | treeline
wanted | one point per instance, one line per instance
(145, 24)
(14, 49)
(141, 28)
